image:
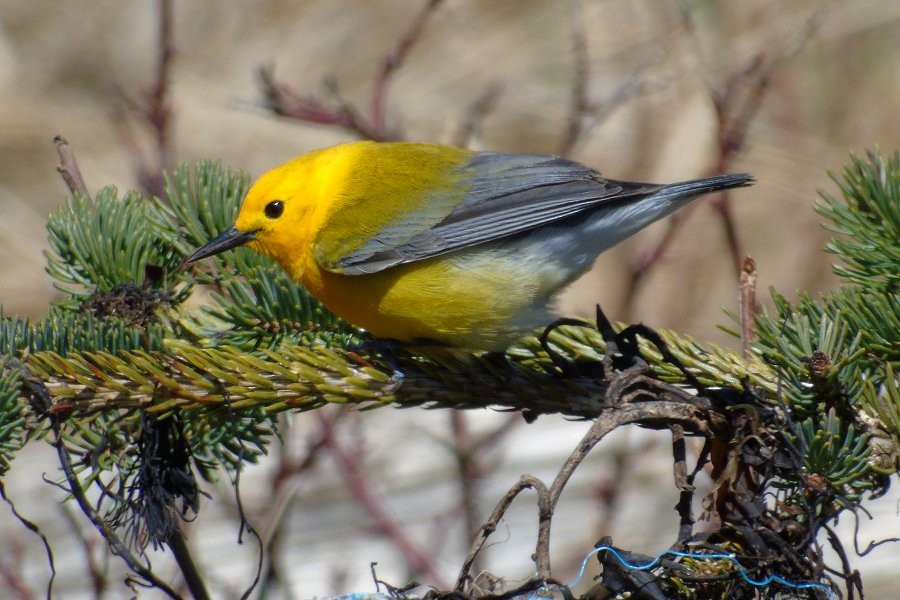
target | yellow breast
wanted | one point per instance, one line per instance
(476, 300)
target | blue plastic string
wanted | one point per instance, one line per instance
(698, 556)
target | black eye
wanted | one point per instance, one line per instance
(274, 209)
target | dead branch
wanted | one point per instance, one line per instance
(68, 166)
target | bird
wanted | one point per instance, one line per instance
(427, 244)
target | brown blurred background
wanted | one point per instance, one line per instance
(65, 68)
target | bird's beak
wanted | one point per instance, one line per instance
(228, 239)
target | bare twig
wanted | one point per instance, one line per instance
(647, 259)
(154, 108)
(734, 120)
(475, 115)
(284, 101)
(192, 577)
(676, 408)
(158, 111)
(735, 113)
(10, 572)
(392, 61)
(469, 470)
(542, 561)
(686, 490)
(586, 113)
(578, 102)
(285, 483)
(40, 397)
(748, 304)
(98, 576)
(609, 491)
(68, 166)
(288, 471)
(469, 453)
(115, 544)
(359, 486)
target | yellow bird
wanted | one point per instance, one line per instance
(422, 243)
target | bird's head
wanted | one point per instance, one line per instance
(275, 217)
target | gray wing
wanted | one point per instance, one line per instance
(509, 194)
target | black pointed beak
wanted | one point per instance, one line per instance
(228, 239)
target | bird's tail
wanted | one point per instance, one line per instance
(643, 204)
(696, 187)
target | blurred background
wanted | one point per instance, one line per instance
(803, 84)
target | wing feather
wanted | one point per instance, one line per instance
(508, 194)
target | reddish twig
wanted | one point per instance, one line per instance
(359, 486)
(392, 61)
(469, 453)
(154, 109)
(158, 111)
(11, 570)
(469, 470)
(609, 492)
(475, 115)
(284, 483)
(284, 101)
(734, 112)
(68, 166)
(586, 113)
(578, 103)
(97, 573)
(645, 260)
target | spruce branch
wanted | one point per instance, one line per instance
(12, 420)
(811, 415)
(867, 220)
(100, 243)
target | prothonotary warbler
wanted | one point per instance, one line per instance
(422, 243)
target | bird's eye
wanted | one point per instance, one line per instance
(274, 209)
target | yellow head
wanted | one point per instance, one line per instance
(284, 210)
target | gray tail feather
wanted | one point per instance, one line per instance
(695, 187)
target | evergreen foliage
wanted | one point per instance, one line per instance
(125, 346)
